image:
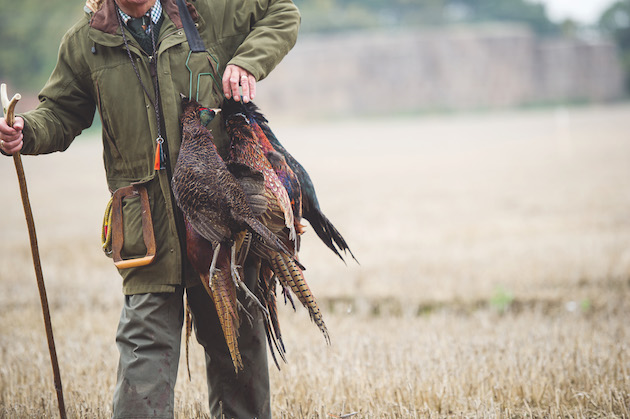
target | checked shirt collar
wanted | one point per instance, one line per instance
(154, 13)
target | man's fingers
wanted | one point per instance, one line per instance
(11, 137)
(15, 148)
(11, 147)
(18, 124)
(234, 85)
(226, 82)
(245, 85)
(8, 133)
(252, 87)
(249, 87)
(238, 82)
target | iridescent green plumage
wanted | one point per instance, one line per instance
(206, 116)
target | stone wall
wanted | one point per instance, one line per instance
(467, 68)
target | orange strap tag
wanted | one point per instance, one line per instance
(158, 153)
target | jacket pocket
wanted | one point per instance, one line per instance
(129, 224)
(133, 243)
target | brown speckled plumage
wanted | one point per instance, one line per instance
(310, 204)
(209, 195)
(245, 149)
(217, 212)
(249, 146)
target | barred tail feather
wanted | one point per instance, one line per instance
(223, 292)
(188, 323)
(290, 275)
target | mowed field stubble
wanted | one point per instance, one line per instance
(494, 277)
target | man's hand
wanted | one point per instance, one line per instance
(11, 137)
(235, 77)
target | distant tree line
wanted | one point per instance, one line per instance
(616, 22)
(339, 15)
(31, 30)
(30, 33)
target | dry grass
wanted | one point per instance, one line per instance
(494, 277)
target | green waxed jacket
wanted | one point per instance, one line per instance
(94, 72)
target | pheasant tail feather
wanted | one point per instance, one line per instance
(224, 296)
(290, 275)
(267, 293)
(188, 320)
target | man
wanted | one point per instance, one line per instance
(130, 59)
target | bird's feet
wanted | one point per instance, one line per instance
(248, 315)
(213, 264)
(236, 277)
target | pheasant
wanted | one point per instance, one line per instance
(217, 214)
(291, 183)
(248, 148)
(245, 149)
(285, 174)
(209, 195)
(311, 210)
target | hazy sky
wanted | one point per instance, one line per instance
(583, 11)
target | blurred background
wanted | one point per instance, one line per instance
(473, 153)
(413, 55)
(428, 55)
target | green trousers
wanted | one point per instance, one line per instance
(149, 340)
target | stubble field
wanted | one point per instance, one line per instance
(494, 277)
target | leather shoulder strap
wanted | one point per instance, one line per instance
(194, 40)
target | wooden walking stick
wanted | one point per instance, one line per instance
(9, 114)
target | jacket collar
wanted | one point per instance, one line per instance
(105, 20)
